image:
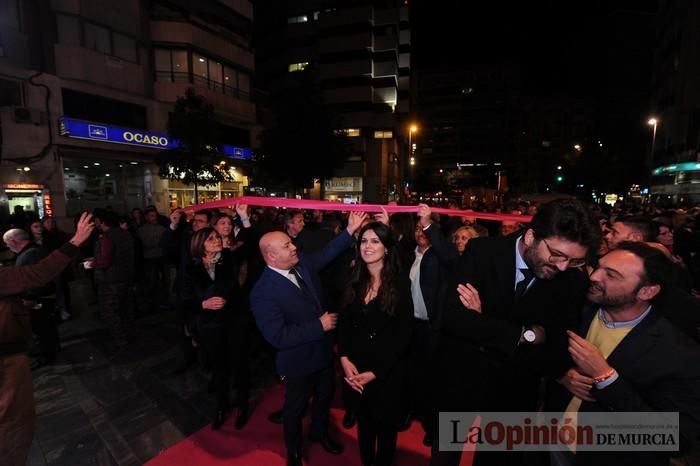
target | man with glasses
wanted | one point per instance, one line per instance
(504, 328)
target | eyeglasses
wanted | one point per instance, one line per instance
(556, 258)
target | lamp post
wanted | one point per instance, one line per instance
(652, 122)
(411, 153)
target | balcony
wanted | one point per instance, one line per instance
(346, 69)
(185, 33)
(346, 16)
(233, 102)
(87, 65)
(348, 94)
(360, 41)
(243, 7)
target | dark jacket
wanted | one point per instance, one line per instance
(658, 371)
(378, 342)
(289, 319)
(114, 257)
(198, 286)
(485, 344)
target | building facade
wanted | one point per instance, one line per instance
(86, 88)
(675, 103)
(360, 54)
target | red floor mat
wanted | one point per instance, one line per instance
(260, 443)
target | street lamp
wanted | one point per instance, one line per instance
(653, 122)
(411, 151)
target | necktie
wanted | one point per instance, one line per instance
(521, 287)
(302, 284)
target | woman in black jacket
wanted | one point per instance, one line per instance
(212, 293)
(374, 336)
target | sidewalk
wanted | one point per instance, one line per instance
(102, 406)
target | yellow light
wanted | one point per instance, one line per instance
(414, 128)
(652, 121)
(577, 147)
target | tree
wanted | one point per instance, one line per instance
(197, 158)
(303, 142)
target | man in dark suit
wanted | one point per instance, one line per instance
(505, 326)
(287, 304)
(628, 356)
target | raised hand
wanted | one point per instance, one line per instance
(83, 229)
(424, 213)
(355, 221)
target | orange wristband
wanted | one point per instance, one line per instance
(604, 376)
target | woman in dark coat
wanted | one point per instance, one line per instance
(212, 293)
(374, 336)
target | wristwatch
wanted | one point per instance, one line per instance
(529, 335)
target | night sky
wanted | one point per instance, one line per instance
(560, 45)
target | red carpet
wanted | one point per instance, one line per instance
(260, 443)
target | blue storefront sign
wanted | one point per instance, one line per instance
(73, 128)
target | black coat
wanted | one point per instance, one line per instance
(479, 361)
(198, 286)
(378, 342)
(658, 371)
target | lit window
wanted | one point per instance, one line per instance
(297, 19)
(316, 15)
(383, 134)
(349, 132)
(298, 66)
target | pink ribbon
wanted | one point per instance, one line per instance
(327, 205)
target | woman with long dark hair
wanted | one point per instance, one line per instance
(374, 336)
(212, 293)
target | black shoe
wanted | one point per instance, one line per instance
(350, 418)
(275, 417)
(218, 419)
(428, 440)
(328, 444)
(294, 459)
(241, 418)
(406, 423)
(183, 367)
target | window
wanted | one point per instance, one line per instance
(348, 132)
(181, 68)
(97, 38)
(298, 66)
(297, 19)
(383, 134)
(125, 47)
(244, 83)
(216, 75)
(10, 93)
(316, 15)
(200, 68)
(68, 30)
(164, 71)
(95, 108)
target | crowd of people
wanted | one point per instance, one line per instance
(578, 309)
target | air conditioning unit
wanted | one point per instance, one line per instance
(28, 116)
